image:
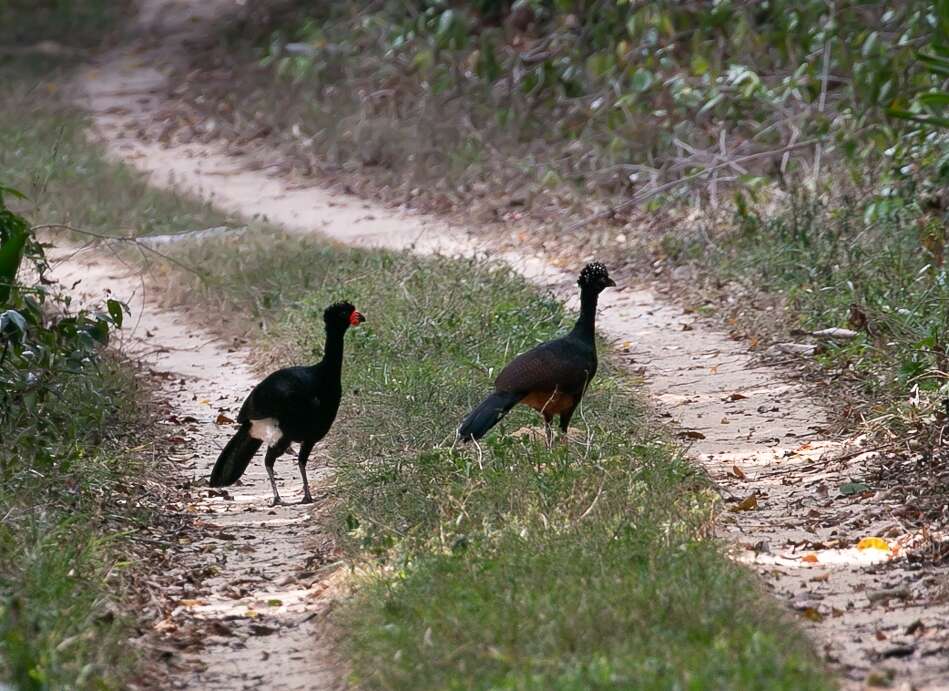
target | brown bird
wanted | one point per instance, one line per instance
(552, 377)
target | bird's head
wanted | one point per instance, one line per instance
(595, 277)
(342, 315)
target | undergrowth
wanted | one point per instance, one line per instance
(586, 566)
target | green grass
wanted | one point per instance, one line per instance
(588, 566)
(63, 473)
(66, 178)
(882, 257)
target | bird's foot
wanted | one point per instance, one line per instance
(277, 501)
(307, 499)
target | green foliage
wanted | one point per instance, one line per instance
(56, 404)
(877, 263)
(931, 105)
(638, 83)
(40, 341)
(585, 566)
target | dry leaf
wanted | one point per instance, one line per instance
(810, 558)
(691, 434)
(812, 614)
(739, 473)
(874, 543)
(835, 333)
(749, 503)
(223, 419)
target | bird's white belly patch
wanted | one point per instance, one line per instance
(266, 429)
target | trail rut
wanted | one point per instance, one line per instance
(760, 437)
(252, 580)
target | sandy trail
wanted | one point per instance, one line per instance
(249, 574)
(757, 434)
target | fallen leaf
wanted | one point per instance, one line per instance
(735, 397)
(836, 333)
(274, 602)
(812, 614)
(219, 628)
(739, 473)
(873, 543)
(880, 636)
(792, 349)
(691, 434)
(223, 419)
(749, 503)
(851, 488)
(810, 558)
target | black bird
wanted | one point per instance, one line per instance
(294, 404)
(552, 377)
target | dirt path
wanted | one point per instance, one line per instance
(247, 584)
(877, 618)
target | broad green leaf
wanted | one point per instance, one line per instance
(642, 79)
(115, 311)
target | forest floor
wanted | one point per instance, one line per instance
(798, 508)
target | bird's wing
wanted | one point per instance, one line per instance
(284, 392)
(559, 364)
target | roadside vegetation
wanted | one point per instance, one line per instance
(66, 411)
(588, 565)
(72, 494)
(792, 150)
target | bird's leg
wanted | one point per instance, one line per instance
(564, 423)
(277, 501)
(305, 449)
(548, 431)
(272, 453)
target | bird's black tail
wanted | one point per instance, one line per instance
(487, 414)
(235, 458)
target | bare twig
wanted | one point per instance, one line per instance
(137, 242)
(822, 100)
(642, 196)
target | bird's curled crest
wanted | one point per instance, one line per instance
(593, 272)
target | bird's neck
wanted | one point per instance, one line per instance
(332, 361)
(587, 320)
